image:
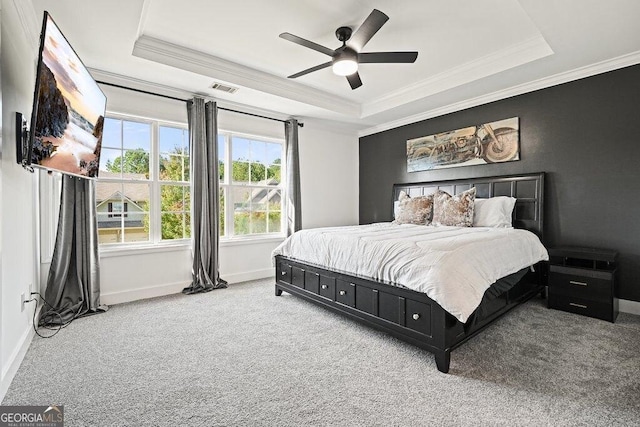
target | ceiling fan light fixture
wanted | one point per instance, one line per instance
(345, 67)
(345, 59)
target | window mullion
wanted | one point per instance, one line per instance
(228, 201)
(155, 214)
(283, 189)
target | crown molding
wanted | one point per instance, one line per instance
(28, 22)
(144, 13)
(135, 83)
(623, 61)
(341, 127)
(187, 59)
(493, 63)
(160, 89)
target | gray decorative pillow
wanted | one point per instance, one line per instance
(454, 210)
(414, 210)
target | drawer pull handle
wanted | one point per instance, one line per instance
(343, 292)
(324, 286)
(577, 305)
(416, 316)
(284, 273)
(317, 274)
(573, 282)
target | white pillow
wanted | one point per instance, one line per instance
(494, 212)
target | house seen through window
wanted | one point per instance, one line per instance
(124, 177)
(143, 190)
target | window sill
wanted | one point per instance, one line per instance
(251, 240)
(182, 245)
(141, 249)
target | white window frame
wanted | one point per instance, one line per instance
(227, 185)
(159, 183)
(155, 241)
(154, 182)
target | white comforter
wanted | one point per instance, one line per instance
(454, 266)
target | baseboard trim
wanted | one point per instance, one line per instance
(249, 275)
(16, 358)
(120, 297)
(631, 307)
(141, 293)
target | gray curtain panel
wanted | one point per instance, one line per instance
(205, 196)
(292, 194)
(73, 284)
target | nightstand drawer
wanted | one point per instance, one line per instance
(579, 284)
(587, 307)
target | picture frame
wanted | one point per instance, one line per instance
(494, 142)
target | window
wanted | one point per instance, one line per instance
(117, 208)
(175, 219)
(142, 193)
(251, 186)
(143, 190)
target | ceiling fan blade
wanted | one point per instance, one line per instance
(307, 43)
(310, 70)
(387, 57)
(354, 80)
(369, 27)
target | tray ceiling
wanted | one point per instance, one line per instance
(469, 52)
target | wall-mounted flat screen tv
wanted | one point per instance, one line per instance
(68, 109)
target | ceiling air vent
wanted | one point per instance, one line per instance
(224, 88)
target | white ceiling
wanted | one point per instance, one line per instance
(470, 52)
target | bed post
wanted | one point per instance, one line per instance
(443, 358)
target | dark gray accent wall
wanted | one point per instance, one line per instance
(584, 134)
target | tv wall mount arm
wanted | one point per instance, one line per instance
(22, 143)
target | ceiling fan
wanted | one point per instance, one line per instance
(345, 59)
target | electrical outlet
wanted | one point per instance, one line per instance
(23, 300)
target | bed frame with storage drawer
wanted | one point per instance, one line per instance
(410, 315)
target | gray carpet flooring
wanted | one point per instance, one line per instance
(242, 357)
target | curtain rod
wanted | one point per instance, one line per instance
(188, 100)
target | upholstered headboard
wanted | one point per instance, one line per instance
(528, 189)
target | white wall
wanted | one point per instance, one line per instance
(329, 186)
(131, 275)
(28, 202)
(18, 205)
(328, 175)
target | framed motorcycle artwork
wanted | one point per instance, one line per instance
(494, 142)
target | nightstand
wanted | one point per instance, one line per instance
(582, 280)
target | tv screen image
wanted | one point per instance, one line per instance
(68, 109)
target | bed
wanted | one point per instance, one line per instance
(384, 302)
